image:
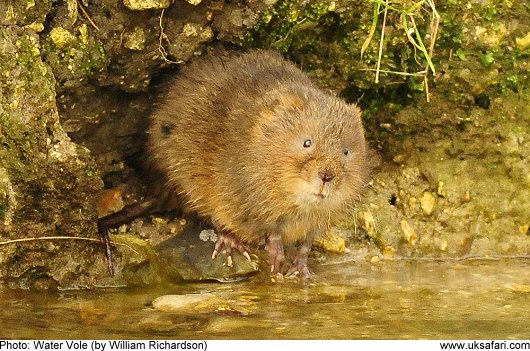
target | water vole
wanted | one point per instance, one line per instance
(252, 144)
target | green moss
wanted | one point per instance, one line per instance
(77, 56)
(3, 209)
(460, 54)
(280, 26)
(451, 25)
(487, 58)
(488, 12)
(4, 202)
(26, 12)
(327, 39)
(28, 50)
(91, 170)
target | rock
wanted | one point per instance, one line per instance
(440, 189)
(73, 53)
(524, 42)
(47, 183)
(408, 232)
(194, 2)
(189, 254)
(135, 40)
(140, 5)
(8, 202)
(518, 288)
(467, 196)
(331, 241)
(427, 202)
(61, 37)
(366, 221)
(188, 303)
(186, 40)
(138, 263)
(233, 23)
(482, 207)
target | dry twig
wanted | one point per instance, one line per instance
(380, 54)
(15, 241)
(163, 37)
(412, 34)
(87, 16)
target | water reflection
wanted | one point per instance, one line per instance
(389, 300)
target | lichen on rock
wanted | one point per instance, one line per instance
(47, 182)
(140, 5)
(8, 202)
(482, 207)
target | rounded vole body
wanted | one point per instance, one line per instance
(251, 143)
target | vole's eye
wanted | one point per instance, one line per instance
(346, 152)
(307, 143)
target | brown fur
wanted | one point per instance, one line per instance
(229, 138)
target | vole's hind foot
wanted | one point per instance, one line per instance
(300, 263)
(301, 270)
(116, 219)
(274, 248)
(104, 235)
(230, 242)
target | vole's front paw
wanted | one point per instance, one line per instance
(228, 241)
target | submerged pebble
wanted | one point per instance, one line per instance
(188, 303)
(204, 303)
(521, 288)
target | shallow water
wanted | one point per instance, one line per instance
(388, 300)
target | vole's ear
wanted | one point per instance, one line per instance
(355, 110)
(272, 113)
(290, 101)
(273, 106)
(354, 120)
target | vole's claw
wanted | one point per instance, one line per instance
(274, 247)
(302, 271)
(229, 261)
(228, 241)
(108, 254)
(215, 253)
(300, 262)
(218, 246)
(116, 219)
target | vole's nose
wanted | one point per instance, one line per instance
(326, 176)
